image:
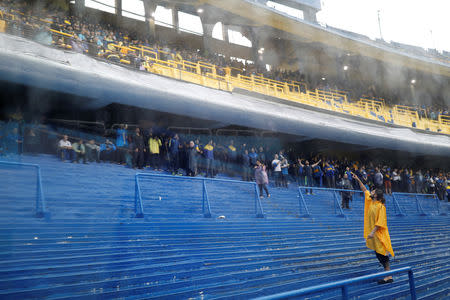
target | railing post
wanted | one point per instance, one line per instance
(40, 201)
(260, 212)
(397, 206)
(412, 285)
(438, 203)
(419, 207)
(205, 198)
(301, 199)
(345, 292)
(138, 209)
(336, 204)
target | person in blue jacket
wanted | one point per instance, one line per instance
(330, 178)
(121, 142)
(174, 146)
(208, 153)
(108, 151)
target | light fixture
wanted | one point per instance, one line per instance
(345, 68)
(413, 81)
(323, 78)
(200, 10)
(261, 51)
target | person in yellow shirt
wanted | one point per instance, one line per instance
(154, 143)
(376, 231)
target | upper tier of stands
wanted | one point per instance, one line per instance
(171, 64)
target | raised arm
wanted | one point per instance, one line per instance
(300, 162)
(361, 185)
(316, 163)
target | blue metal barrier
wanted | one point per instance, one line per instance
(337, 207)
(302, 202)
(397, 209)
(438, 204)
(419, 207)
(206, 208)
(40, 200)
(343, 284)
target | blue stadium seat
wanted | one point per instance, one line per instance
(91, 246)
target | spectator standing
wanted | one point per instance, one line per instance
(330, 176)
(246, 166)
(418, 182)
(300, 174)
(396, 179)
(378, 179)
(154, 144)
(208, 152)
(253, 157)
(121, 142)
(346, 195)
(308, 171)
(276, 165)
(317, 174)
(192, 159)
(387, 179)
(284, 172)
(261, 178)
(376, 231)
(441, 183)
(174, 146)
(262, 156)
(139, 149)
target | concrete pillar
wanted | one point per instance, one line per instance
(225, 32)
(175, 22)
(79, 7)
(208, 23)
(207, 36)
(150, 8)
(119, 8)
(309, 15)
(255, 37)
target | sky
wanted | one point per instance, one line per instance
(424, 23)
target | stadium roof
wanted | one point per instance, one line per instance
(302, 30)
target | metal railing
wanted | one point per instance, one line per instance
(40, 199)
(343, 285)
(419, 207)
(397, 209)
(206, 207)
(337, 207)
(302, 203)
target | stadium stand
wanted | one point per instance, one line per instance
(154, 210)
(90, 245)
(97, 41)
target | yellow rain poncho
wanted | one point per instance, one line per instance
(375, 215)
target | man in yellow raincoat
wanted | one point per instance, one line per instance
(375, 227)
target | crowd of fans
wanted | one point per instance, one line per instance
(98, 40)
(160, 149)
